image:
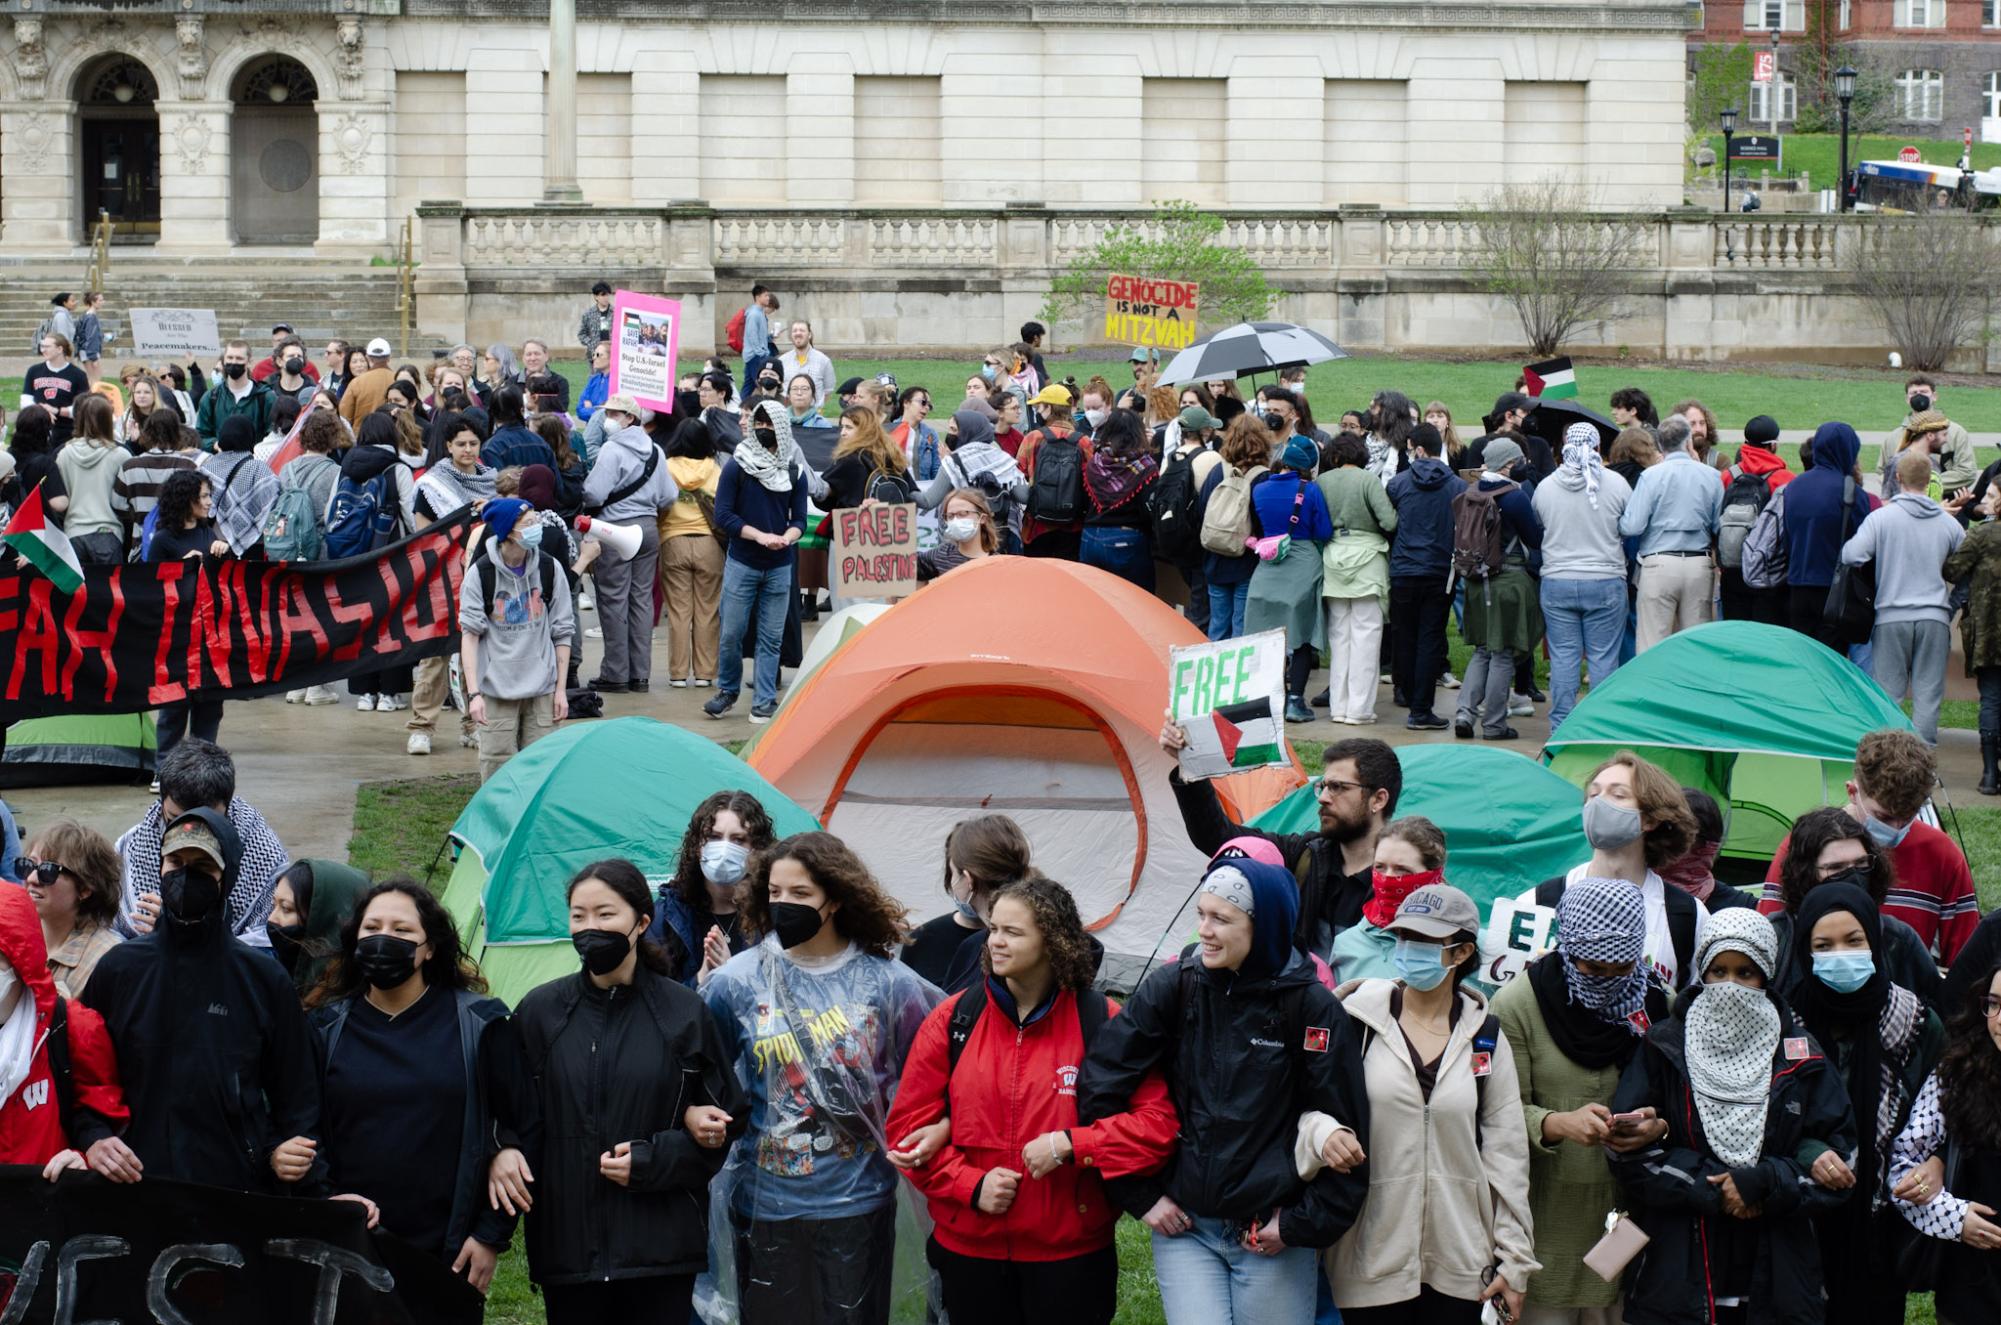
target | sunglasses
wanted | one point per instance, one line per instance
(47, 871)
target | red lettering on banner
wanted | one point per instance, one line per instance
(387, 638)
(102, 642)
(205, 641)
(256, 651)
(164, 689)
(10, 590)
(295, 618)
(347, 616)
(38, 634)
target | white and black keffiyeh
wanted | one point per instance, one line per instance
(772, 468)
(248, 903)
(1604, 920)
(245, 491)
(1580, 457)
(1733, 1031)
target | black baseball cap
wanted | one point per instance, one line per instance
(848, 387)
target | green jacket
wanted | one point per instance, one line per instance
(1356, 500)
(218, 404)
(1978, 559)
(1570, 1186)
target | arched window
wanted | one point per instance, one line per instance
(277, 81)
(119, 81)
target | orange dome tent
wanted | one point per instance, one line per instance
(1015, 686)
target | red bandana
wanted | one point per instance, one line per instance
(1380, 909)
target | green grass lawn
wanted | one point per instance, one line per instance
(1819, 154)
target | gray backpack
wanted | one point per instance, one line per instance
(1765, 556)
(1743, 502)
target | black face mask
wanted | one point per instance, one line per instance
(232, 371)
(385, 960)
(189, 895)
(286, 943)
(602, 949)
(293, 367)
(767, 438)
(794, 923)
(1920, 403)
(1858, 876)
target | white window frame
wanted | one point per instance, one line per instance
(1990, 13)
(1792, 15)
(1847, 14)
(1759, 107)
(1992, 96)
(1920, 14)
(1923, 89)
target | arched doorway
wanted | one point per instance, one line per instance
(119, 140)
(274, 154)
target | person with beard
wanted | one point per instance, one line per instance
(1883, 1043)
(407, 1049)
(632, 1110)
(1574, 1019)
(1735, 1103)
(310, 902)
(1356, 794)
(213, 1048)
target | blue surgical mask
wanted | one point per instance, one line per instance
(723, 862)
(1882, 834)
(1844, 972)
(988, 372)
(1419, 964)
(968, 912)
(531, 535)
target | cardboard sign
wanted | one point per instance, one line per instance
(1230, 700)
(645, 338)
(175, 334)
(1517, 933)
(873, 553)
(1150, 313)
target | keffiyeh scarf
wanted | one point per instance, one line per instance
(1733, 1031)
(772, 468)
(245, 492)
(1604, 920)
(1582, 464)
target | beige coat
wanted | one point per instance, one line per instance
(1441, 1208)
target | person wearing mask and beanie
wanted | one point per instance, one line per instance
(1446, 1225)
(310, 902)
(1503, 613)
(1574, 1018)
(1249, 1041)
(1753, 481)
(697, 919)
(516, 629)
(1818, 520)
(211, 1096)
(1736, 1101)
(1583, 568)
(631, 1113)
(1410, 855)
(761, 511)
(1882, 1043)
(1694, 871)
(629, 485)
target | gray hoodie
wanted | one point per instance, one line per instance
(1908, 537)
(1579, 541)
(90, 472)
(621, 459)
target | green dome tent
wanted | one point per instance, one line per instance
(625, 787)
(1509, 823)
(1762, 718)
(79, 747)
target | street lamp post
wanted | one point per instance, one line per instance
(1844, 92)
(1772, 88)
(1729, 118)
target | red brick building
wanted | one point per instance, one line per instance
(1943, 57)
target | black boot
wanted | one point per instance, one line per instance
(1990, 762)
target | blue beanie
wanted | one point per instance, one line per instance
(1300, 454)
(503, 513)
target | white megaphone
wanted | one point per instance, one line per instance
(619, 541)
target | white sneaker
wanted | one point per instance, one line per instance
(366, 704)
(703, 683)
(1387, 679)
(584, 603)
(593, 632)
(294, 696)
(393, 703)
(1519, 706)
(317, 696)
(1448, 680)
(155, 787)
(419, 744)
(679, 683)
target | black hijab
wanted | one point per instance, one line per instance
(1580, 1034)
(1854, 1017)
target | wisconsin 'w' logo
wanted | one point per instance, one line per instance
(35, 1094)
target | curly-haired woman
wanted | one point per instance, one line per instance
(697, 918)
(1945, 1167)
(1829, 846)
(1023, 1224)
(818, 1018)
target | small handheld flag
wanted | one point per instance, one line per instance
(1553, 379)
(1248, 733)
(290, 450)
(42, 545)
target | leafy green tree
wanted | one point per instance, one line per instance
(1181, 242)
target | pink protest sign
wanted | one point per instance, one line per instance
(645, 336)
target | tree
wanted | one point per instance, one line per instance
(1933, 278)
(1558, 262)
(1722, 79)
(1180, 244)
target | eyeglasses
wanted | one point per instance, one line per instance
(1990, 1006)
(48, 871)
(1333, 787)
(1834, 867)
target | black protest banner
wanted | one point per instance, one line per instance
(134, 637)
(86, 1249)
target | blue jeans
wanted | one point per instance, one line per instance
(748, 590)
(1124, 552)
(1226, 610)
(1584, 621)
(1208, 1279)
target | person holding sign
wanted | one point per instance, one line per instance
(761, 510)
(1573, 1023)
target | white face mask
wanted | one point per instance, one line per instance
(1097, 416)
(962, 529)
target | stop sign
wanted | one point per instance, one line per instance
(1909, 155)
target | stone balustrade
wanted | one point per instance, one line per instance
(1698, 284)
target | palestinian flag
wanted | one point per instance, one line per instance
(1248, 733)
(1553, 379)
(290, 450)
(42, 545)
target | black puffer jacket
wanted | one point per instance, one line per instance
(615, 1065)
(1243, 1058)
(1673, 1281)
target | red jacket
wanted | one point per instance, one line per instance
(1769, 465)
(1011, 1087)
(31, 1127)
(1934, 892)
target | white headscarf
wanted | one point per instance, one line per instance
(772, 468)
(1581, 462)
(1733, 1033)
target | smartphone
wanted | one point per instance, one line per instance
(1628, 1120)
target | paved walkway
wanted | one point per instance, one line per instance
(300, 766)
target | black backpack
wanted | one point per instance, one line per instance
(60, 1073)
(1093, 1011)
(1057, 494)
(1173, 508)
(489, 579)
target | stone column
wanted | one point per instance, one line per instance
(194, 177)
(356, 175)
(38, 158)
(559, 152)
(442, 301)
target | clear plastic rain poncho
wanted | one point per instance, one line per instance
(805, 1224)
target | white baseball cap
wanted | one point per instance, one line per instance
(378, 348)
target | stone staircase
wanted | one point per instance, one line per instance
(320, 297)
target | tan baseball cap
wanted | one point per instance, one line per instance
(189, 833)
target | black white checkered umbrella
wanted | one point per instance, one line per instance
(1247, 348)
